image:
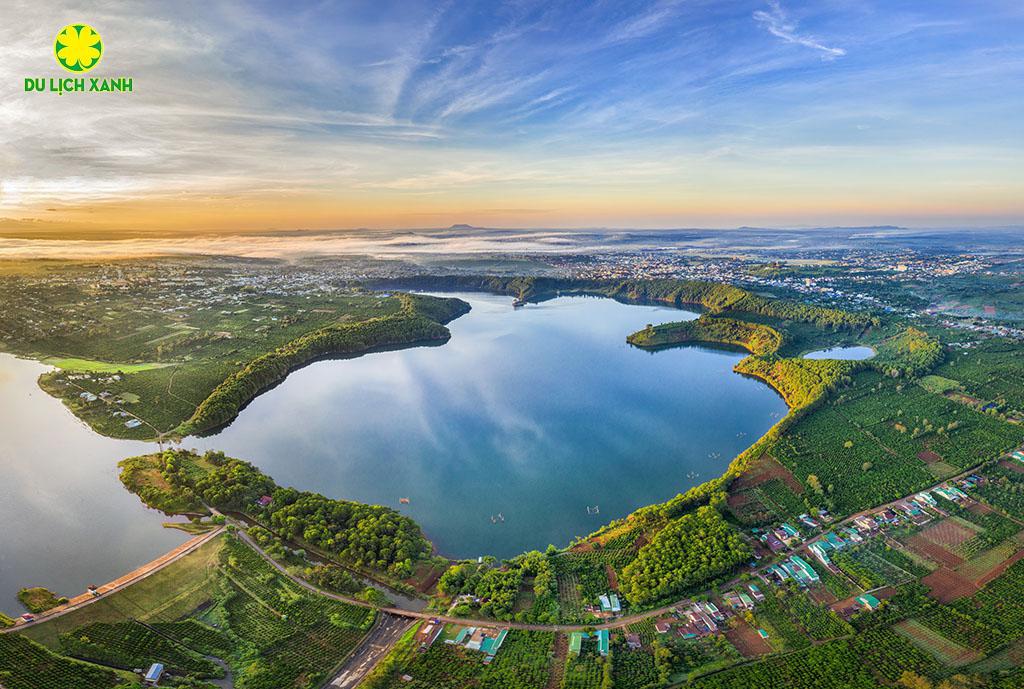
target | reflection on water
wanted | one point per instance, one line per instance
(67, 521)
(529, 416)
(858, 353)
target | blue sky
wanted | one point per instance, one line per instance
(650, 114)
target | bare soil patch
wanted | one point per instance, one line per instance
(822, 596)
(928, 457)
(979, 508)
(747, 641)
(934, 552)
(1012, 465)
(948, 532)
(613, 579)
(1000, 568)
(946, 586)
(763, 470)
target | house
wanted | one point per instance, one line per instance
(926, 498)
(88, 396)
(732, 599)
(663, 626)
(865, 523)
(834, 541)
(428, 633)
(264, 501)
(887, 516)
(755, 592)
(153, 675)
(762, 633)
(868, 601)
(951, 493)
(775, 573)
(773, 543)
(610, 603)
(633, 642)
(132, 423)
(801, 571)
(712, 610)
(819, 550)
(576, 641)
(483, 639)
(806, 520)
(852, 534)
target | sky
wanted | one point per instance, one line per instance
(619, 113)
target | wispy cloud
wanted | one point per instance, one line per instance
(778, 24)
(645, 23)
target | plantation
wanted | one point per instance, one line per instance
(862, 447)
(870, 569)
(523, 662)
(990, 371)
(692, 550)
(585, 671)
(784, 632)
(25, 664)
(130, 645)
(197, 636)
(1004, 489)
(855, 663)
(634, 668)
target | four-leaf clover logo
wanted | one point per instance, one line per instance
(78, 48)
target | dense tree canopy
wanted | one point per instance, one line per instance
(369, 536)
(692, 550)
(405, 327)
(755, 338)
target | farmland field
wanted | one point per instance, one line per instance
(944, 650)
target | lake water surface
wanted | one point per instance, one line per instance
(533, 414)
(856, 353)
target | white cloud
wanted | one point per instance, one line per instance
(778, 24)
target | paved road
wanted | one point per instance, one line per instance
(124, 582)
(375, 646)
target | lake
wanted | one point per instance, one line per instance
(857, 353)
(67, 521)
(529, 416)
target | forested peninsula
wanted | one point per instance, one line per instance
(420, 320)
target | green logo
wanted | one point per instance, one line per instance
(78, 48)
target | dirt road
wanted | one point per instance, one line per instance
(375, 646)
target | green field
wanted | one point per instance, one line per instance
(222, 600)
(71, 364)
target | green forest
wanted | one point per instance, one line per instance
(364, 536)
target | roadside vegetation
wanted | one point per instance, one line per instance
(223, 601)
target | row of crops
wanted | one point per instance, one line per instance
(129, 645)
(297, 637)
(24, 664)
(854, 663)
(523, 662)
(863, 447)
